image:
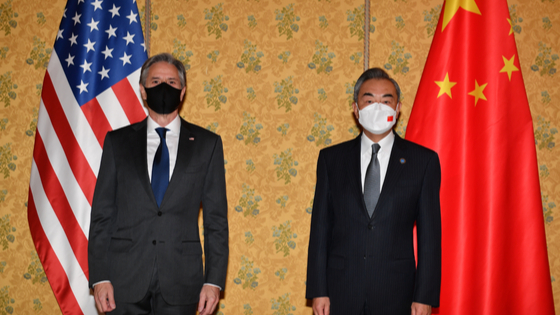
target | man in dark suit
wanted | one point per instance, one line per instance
(370, 192)
(145, 254)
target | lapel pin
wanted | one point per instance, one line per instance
(402, 160)
(191, 138)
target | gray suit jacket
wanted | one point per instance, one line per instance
(129, 233)
(354, 259)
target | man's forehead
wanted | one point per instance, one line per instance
(163, 68)
(378, 87)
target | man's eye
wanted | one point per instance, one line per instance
(155, 81)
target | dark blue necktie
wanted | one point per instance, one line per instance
(160, 169)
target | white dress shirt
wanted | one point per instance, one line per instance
(171, 139)
(383, 155)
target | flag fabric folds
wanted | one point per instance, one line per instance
(472, 108)
(90, 87)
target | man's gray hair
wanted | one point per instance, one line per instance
(378, 74)
(167, 58)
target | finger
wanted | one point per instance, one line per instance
(105, 303)
(327, 309)
(211, 303)
(101, 301)
(319, 309)
(214, 302)
(111, 301)
(98, 304)
(201, 303)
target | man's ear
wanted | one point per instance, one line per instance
(143, 92)
(356, 110)
(183, 91)
(398, 110)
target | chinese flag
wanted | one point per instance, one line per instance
(471, 107)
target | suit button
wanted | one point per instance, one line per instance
(154, 242)
(159, 213)
(370, 227)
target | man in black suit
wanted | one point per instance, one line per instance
(144, 249)
(370, 192)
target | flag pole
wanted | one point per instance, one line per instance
(366, 35)
(148, 26)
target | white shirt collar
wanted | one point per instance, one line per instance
(385, 143)
(174, 126)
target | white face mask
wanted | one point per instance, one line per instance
(377, 118)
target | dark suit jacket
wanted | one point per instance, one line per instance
(129, 233)
(354, 259)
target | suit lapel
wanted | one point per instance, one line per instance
(356, 173)
(185, 154)
(139, 146)
(394, 172)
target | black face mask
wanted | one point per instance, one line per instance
(163, 98)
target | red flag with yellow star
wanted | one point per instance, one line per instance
(472, 108)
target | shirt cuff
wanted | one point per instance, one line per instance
(104, 281)
(217, 286)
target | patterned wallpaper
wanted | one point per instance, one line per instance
(274, 79)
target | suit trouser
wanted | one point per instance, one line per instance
(153, 303)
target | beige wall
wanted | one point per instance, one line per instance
(272, 241)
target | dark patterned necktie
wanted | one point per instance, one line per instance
(160, 169)
(372, 182)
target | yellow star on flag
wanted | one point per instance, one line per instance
(445, 86)
(452, 6)
(511, 27)
(478, 92)
(509, 67)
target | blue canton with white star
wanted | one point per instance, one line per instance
(99, 43)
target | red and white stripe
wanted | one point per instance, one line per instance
(66, 158)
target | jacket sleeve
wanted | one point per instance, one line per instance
(214, 211)
(103, 215)
(320, 235)
(428, 224)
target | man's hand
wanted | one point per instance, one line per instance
(104, 298)
(321, 306)
(209, 297)
(420, 309)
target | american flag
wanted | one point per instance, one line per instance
(90, 87)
